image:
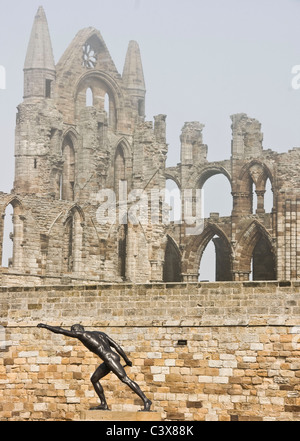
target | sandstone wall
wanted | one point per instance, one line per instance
(209, 351)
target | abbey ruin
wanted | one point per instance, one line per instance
(93, 244)
(81, 129)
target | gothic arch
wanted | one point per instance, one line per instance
(265, 171)
(73, 135)
(255, 244)
(68, 170)
(252, 178)
(101, 84)
(124, 144)
(98, 75)
(174, 199)
(73, 210)
(173, 177)
(17, 231)
(196, 246)
(210, 171)
(172, 261)
(73, 240)
(122, 165)
(216, 193)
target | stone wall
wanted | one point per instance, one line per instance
(209, 351)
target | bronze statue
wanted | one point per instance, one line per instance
(100, 344)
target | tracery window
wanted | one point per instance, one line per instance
(89, 56)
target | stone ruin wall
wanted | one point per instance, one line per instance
(41, 238)
(211, 351)
(68, 149)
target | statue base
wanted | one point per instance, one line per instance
(109, 415)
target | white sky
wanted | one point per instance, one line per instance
(204, 60)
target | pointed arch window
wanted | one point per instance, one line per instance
(172, 264)
(68, 174)
(263, 265)
(173, 200)
(256, 254)
(119, 172)
(12, 254)
(122, 250)
(217, 197)
(215, 256)
(256, 182)
(7, 243)
(89, 98)
(207, 269)
(72, 244)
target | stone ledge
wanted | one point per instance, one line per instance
(102, 415)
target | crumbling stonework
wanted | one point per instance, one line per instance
(90, 173)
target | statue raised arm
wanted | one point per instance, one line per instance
(102, 345)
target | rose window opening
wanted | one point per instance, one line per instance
(89, 57)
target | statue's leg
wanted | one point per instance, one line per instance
(135, 387)
(119, 371)
(99, 373)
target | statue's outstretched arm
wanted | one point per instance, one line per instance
(57, 330)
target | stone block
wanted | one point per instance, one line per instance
(100, 415)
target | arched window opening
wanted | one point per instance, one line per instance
(72, 243)
(122, 245)
(217, 196)
(268, 197)
(262, 262)
(254, 198)
(172, 264)
(7, 244)
(207, 270)
(68, 175)
(68, 245)
(89, 98)
(215, 264)
(262, 197)
(12, 236)
(60, 186)
(173, 200)
(251, 270)
(120, 174)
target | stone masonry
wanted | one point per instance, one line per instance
(83, 146)
(211, 351)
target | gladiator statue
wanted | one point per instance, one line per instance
(101, 344)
